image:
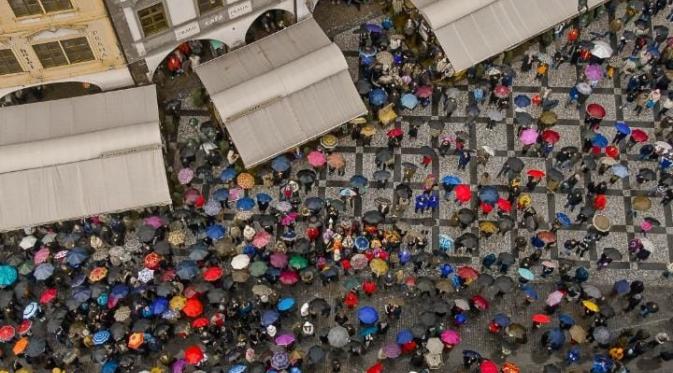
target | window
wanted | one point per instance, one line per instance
(206, 6)
(64, 52)
(8, 62)
(153, 19)
(24, 8)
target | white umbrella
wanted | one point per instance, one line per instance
(488, 150)
(601, 49)
(584, 88)
(662, 146)
(647, 244)
(435, 345)
(28, 242)
(240, 261)
(145, 275)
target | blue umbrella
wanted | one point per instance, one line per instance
(502, 320)
(269, 317)
(620, 170)
(521, 100)
(43, 271)
(566, 320)
(361, 243)
(358, 181)
(8, 275)
(77, 256)
(377, 97)
(368, 315)
(530, 292)
(280, 164)
(446, 243)
(581, 274)
(221, 195)
(77, 279)
(100, 337)
(110, 366)
(119, 291)
(563, 219)
(404, 336)
(526, 274)
(601, 364)
(409, 101)
(488, 194)
(245, 204)
(228, 174)
(372, 27)
(238, 368)
(621, 287)
(187, 269)
(286, 304)
(159, 305)
(263, 198)
(451, 180)
(556, 338)
(215, 232)
(654, 52)
(599, 140)
(536, 242)
(622, 128)
(198, 251)
(81, 294)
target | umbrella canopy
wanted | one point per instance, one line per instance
(595, 111)
(526, 274)
(280, 164)
(578, 334)
(550, 136)
(622, 127)
(338, 336)
(528, 136)
(639, 135)
(316, 158)
(584, 88)
(501, 91)
(463, 192)
(368, 315)
(377, 97)
(240, 261)
(409, 101)
(602, 335)
(548, 118)
(193, 355)
(601, 49)
(450, 337)
(488, 194)
(594, 72)
(522, 101)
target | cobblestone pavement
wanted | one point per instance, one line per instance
(360, 160)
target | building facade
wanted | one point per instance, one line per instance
(52, 41)
(150, 29)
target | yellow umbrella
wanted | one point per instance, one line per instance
(245, 180)
(591, 306)
(524, 200)
(387, 114)
(378, 266)
(157, 370)
(177, 303)
(368, 130)
(360, 120)
(328, 141)
(487, 226)
(97, 274)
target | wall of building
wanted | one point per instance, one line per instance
(228, 23)
(87, 18)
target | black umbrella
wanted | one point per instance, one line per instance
(318, 306)
(425, 284)
(613, 253)
(382, 175)
(523, 118)
(403, 190)
(314, 203)
(466, 216)
(336, 203)
(440, 307)
(468, 240)
(306, 176)
(428, 318)
(372, 217)
(267, 221)
(409, 166)
(647, 174)
(607, 311)
(118, 331)
(555, 174)
(141, 325)
(301, 246)
(570, 149)
(505, 223)
(363, 86)
(36, 347)
(504, 284)
(216, 295)
(515, 164)
(506, 258)
(484, 280)
(162, 247)
(436, 125)
(666, 179)
(383, 155)
(419, 331)
(315, 354)
(146, 233)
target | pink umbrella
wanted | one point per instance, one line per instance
(261, 239)
(191, 195)
(235, 194)
(554, 298)
(450, 337)
(528, 136)
(646, 226)
(359, 261)
(593, 72)
(288, 219)
(154, 221)
(501, 91)
(185, 175)
(41, 255)
(424, 91)
(285, 339)
(288, 277)
(391, 350)
(316, 158)
(278, 260)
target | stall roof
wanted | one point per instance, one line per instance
(471, 31)
(281, 91)
(77, 157)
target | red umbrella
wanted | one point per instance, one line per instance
(193, 355)
(351, 299)
(152, 260)
(369, 287)
(288, 277)
(200, 322)
(7, 332)
(541, 318)
(376, 368)
(467, 273)
(480, 302)
(463, 192)
(395, 132)
(550, 136)
(600, 201)
(535, 173)
(596, 111)
(48, 295)
(501, 91)
(639, 135)
(485, 208)
(24, 327)
(612, 151)
(424, 91)
(212, 274)
(193, 307)
(487, 366)
(504, 205)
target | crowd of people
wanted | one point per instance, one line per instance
(251, 271)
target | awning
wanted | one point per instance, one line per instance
(281, 91)
(471, 31)
(83, 156)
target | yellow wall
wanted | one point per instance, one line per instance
(87, 18)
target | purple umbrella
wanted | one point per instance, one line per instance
(285, 339)
(280, 360)
(528, 136)
(391, 350)
(185, 176)
(178, 366)
(594, 72)
(278, 260)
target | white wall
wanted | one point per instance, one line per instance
(180, 11)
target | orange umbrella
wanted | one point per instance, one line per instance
(20, 346)
(152, 260)
(193, 355)
(510, 368)
(136, 340)
(193, 307)
(97, 274)
(245, 180)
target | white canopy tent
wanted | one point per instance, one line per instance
(72, 158)
(471, 31)
(281, 91)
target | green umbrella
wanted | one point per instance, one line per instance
(257, 268)
(298, 262)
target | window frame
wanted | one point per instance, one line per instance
(166, 20)
(68, 61)
(43, 11)
(3, 63)
(86, 40)
(197, 3)
(56, 2)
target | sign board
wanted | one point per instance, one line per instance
(240, 9)
(187, 30)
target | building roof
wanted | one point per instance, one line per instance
(83, 156)
(471, 31)
(281, 91)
